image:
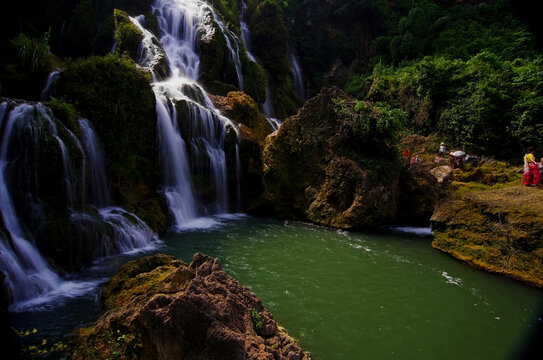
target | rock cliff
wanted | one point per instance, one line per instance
(499, 231)
(160, 308)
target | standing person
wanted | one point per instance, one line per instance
(530, 176)
(442, 150)
(540, 165)
(406, 155)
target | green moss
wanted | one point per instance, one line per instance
(117, 98)
(497, 230)
(66, 113)
(93, 344)
(254, 78)
(138, 277)
(127, 35)
(104, 39)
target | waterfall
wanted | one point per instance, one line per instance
(238, 180)
(99, 192)
(130, 232)
(234, 50)
(27, 274)
(297, 76)
(178, 184)
(28, 132)
(151, 55)
(191, 131)
(50, 85)
(245, 33)
(267, 109)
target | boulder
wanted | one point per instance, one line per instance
(327, 164)
(160, 308)
(500, 231)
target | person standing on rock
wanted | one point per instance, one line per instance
(442, 150)
(530, 176)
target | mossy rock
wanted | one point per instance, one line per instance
(255, 80)
(318, 168)
(241, 108)
(139, 277)
(499, 231)
(118, 100)
(127, 35)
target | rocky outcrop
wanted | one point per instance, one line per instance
(499, 231)
(160, 308)
(242, 109)
(328, 164)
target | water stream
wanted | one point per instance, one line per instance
(347, 295)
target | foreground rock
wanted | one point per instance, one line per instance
(496, 230)
(160, 308)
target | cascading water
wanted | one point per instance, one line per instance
(99, 193)
(297, 76)
(129, 232)
(267, 106)
(267, 109)
(50, 86)
(233, 49)
(191, 131)
(27, 274)
(28, 132)
(245, 33)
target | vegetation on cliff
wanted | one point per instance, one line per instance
(117, 98)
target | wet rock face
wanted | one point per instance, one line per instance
(317, 169)
(160, 308)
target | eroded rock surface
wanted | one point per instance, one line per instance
(160, 308)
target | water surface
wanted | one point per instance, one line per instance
(348, 295)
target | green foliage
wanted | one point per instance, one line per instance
(117, 99)
(65, 112)
(33, 52)
(255, 79)
(378, 120)
(229, 9)
(127, 35)
(373, 132)
(269, 39)
(40, 350)
(257, 323)
(485, 104)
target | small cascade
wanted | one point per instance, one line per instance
(178, 186)
(27, 274)
(99, 192)
(297, 76)
(238, 180)
(130, 232)
(233, 49)
(267, 109)
(245, 33)
(151, 55)
(50, 85)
